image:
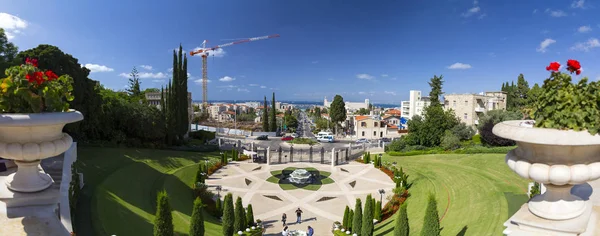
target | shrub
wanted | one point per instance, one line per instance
(450, 141)
(476, 139)
(202, 135)
(250, 216)
(377, 211)
(463, 132)
(491, 118)
(218, 208)
(367, 220)
(197, 220)
(163, 221)
(350, 219)
(535, 190)
(402, 228)
(431, 224)
(214, 168)
(357, 219)
(243, 157)
(228, 215)
(345, 219)
(240, 218)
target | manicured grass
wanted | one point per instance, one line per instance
(303, 141)
(476, 193)
(278, 174)
(121, 184)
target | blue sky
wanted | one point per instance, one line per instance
(359, 49)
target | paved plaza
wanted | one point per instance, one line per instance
(321, 208)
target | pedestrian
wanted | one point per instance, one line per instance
(311, 231)
(283, 218)
(285, 231)
(299, 215)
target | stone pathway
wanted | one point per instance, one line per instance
(269, 201)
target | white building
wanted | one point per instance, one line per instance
(415, 105)
(370, 127)
(350, 106)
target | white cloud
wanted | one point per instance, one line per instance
(243, 90)
(12, 25)
(158, 80)
(545, 44)
(555, 13)
(393, 79)
(147, 67)
(262, 86)
(585, 28)
(226, 79)
(146, 75)
(315, 62)
(170, 69)
(459, 66)
(253, 85)
(199, 81)
(472, 11)
(586, 46)
(578, 4)
(390, 93)
(384, 75)
(535, 11)
(365, 76)
(219, 52)
(98, 68)
(274, 88)
(362, 93)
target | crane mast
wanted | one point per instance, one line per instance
(204, 51)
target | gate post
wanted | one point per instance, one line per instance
(310, 154)
(292, 154)
(346, 155)
(279, 151)
(333, 157)
(322, 155)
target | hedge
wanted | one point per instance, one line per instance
(466, 150)
(202, 135)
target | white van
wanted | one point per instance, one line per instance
(321, 134)
(326, 138)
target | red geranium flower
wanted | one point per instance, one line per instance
(38, 76)
(573, 66)
(578, 72)
(51, 75)
(30, 61)
(554, 66)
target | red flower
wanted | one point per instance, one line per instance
(29, 78)
(39, 77)
(573, 66)
(30, 61)
(51, 75)
(554, 66)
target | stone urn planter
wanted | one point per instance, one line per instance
(557, 158)
(29, 138)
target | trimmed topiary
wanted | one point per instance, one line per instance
(228, 215)
(402, 228)
(345, 219)
(250, 216)
(197, 220)
(163, 221)
(240, 219)
(431, 224)
(367, 220)
(357, 219)
(377, 211)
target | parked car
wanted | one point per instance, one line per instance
(294, 135)
(287, 138)
(362, 140)
(326, 139)
(263, 137)
(385, 140)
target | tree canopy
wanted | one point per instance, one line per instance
(337, 111)
(8, 53)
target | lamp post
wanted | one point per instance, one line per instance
(218, 191)
(381, 192)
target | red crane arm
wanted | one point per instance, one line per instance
(202, 50)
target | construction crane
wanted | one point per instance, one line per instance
(204, 52)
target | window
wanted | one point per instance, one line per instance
(363, 133)
(454, 103)
(374, 124)
(374, 133)
(466, 116)
(381, 135)
(466, 103)
(363, 124)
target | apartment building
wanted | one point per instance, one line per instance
(467, 107)
(215, 110)
(350, 106)
(370, 127)
(415, 105)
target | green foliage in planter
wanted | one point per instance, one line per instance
(197, 220)
(239, 223)
(535, 190)
(367, 221)
(228, 215)
(431, 224)
(357, 219)
(564, 105)
(163, 221)
(402, 228)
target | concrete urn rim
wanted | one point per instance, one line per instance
(551, 156)
(35, 136)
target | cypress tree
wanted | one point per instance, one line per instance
(250, 216)
(240, 220)
(228, 215)
(266, 126)
(357, 219)
(431, 224)
(273, 121)
(346, 215)
(377, 213)
(185, 113)
(163, 221)
(350, 219)
(197, 220)
(218, 208)
(367, 219)
(401, 228)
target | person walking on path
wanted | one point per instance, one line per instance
(299, 215)
(283, 218)
(311, 231)
(285, 231)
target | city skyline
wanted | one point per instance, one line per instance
(358, 50)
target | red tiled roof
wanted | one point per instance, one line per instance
(392, 126)
(362, 117)
(230, 112)
(393, 112)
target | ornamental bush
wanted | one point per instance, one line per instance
(163, 221)
(345, 219)
(450, 141)
(357, 219)
(239, 223)
(250, 216)
(367, 220)
(228, 215)
(564, 105)
(350, 219)
(377, 211)
(401, 227)
(197, 220)
(431, 224)
(218, 208)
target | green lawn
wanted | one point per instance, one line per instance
(476, 193)
(120, 193)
